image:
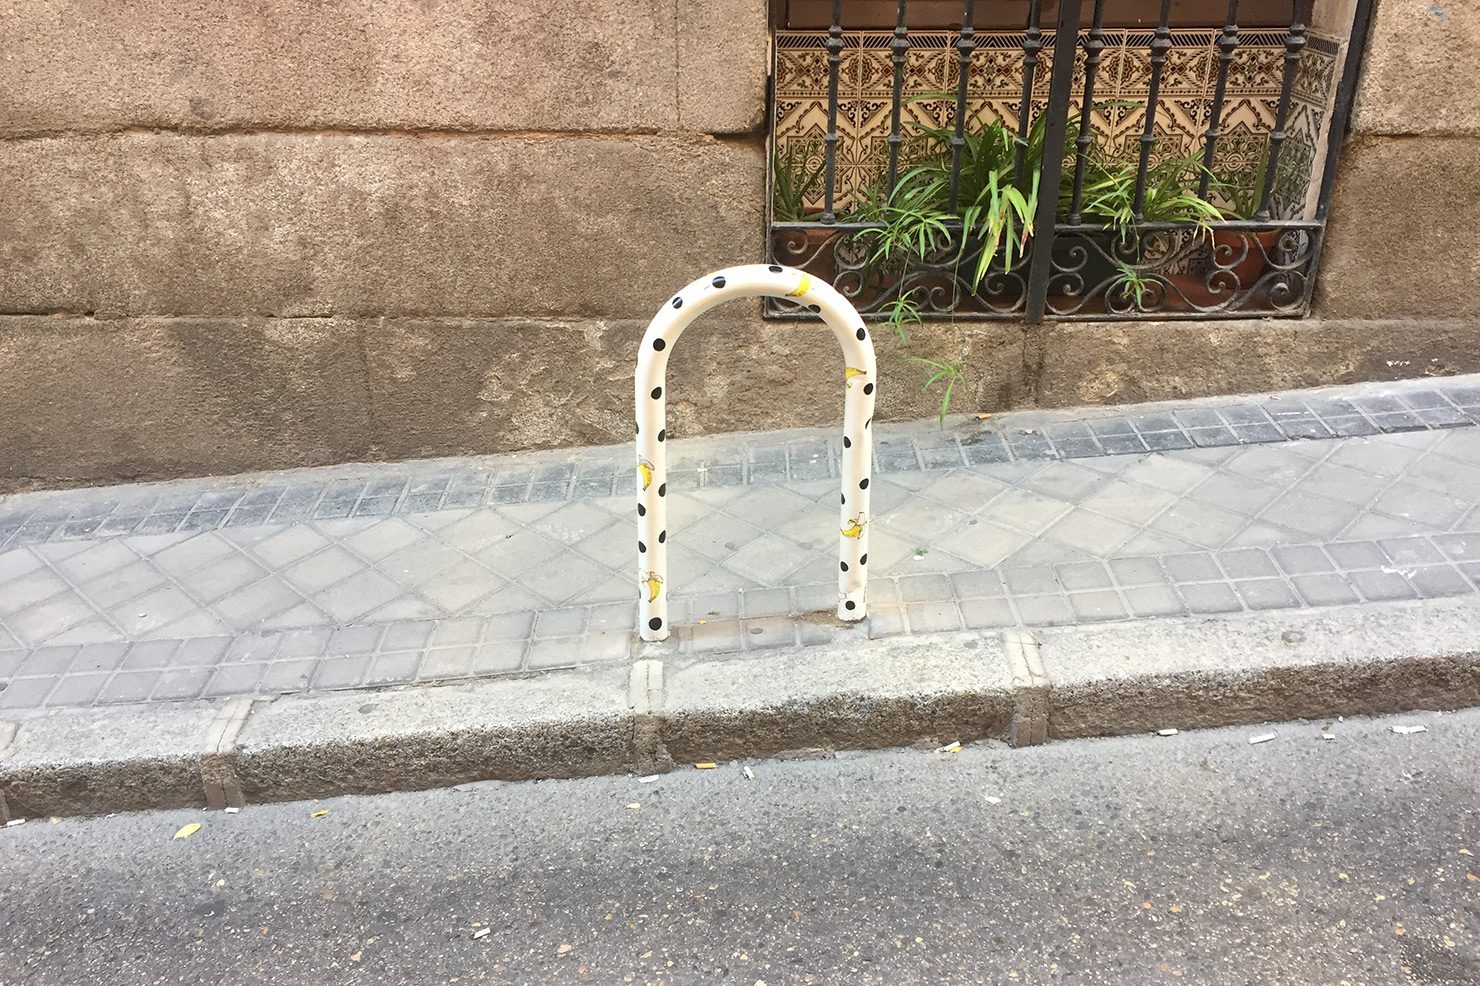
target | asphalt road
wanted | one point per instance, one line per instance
(1193, 859)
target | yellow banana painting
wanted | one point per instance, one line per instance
(654, 583)
(849, 373)
(645, 470)
(855, 527)
(803, 286)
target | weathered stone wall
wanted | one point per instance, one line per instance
(244, 234)
(1404, 234)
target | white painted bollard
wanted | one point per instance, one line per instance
(859, 371)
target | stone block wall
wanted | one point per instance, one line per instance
(1404, 236)
(250, 234)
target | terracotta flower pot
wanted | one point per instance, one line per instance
(1240, 257)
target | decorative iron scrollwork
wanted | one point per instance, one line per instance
(1161, 271)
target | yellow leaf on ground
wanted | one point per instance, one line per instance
(704, 766)
(320, 813)
(187, 831)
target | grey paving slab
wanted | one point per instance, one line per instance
(385, 575)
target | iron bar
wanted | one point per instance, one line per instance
(1161, 43)
(1227, 42)
(1340, 117)
(965, 45)
(1032, 44)
(1294, 43)
(1094, 46)
(830, 139)
(1061, 84)
(899, 48)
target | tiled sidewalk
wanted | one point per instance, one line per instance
(378, 575)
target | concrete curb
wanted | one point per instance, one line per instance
(1024, 687)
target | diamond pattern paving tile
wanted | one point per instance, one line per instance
(565, 577)
(23, 592)
(122, 584)
(1205, 526)
(180, 560)
(253, 605)
(1031, 513)
(1091, 532)
(459, 586)
(1314, 516)
(523, 552)
(767, 560)
(570, 524)
(1225, 528)
(95, 561)
(289, 545)
(1434, 510)
(383, 538)
(922, 519)
(18, 562)
(357, 595)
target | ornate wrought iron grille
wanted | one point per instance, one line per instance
(1259, 115)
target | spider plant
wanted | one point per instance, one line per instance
(951, 373)
(1110, 194)
(991, 218)
(793, 180)
(1131, 283)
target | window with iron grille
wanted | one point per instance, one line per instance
(1194, 143)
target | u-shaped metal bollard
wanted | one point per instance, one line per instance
(859, 381)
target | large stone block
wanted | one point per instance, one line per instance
(145, 224)
(451, 387)
(87, 401)
(1404, 236)
(1415, 67)
(723, 62)
(1124, 362)
(383, 64)
(84, 400)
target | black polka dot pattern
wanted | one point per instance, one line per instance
(852, 576)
